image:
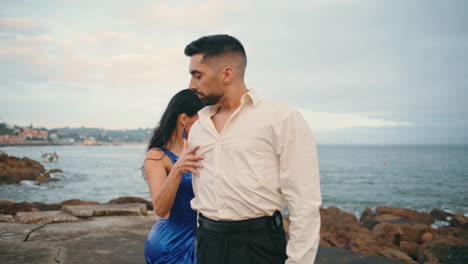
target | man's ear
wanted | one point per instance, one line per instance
(228, 75)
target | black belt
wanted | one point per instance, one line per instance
(249, 225)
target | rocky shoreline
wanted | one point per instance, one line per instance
(13, 170)
(394, 233)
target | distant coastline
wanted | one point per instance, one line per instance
(40, 144)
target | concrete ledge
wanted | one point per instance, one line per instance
(45, 217)
(86, 211)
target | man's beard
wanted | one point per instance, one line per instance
(211, 99)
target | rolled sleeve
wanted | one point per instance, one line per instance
(300, 187)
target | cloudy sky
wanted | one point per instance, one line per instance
(360, 71)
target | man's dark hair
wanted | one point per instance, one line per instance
(215, 45)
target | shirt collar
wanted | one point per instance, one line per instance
(252, 95)
(212, 109)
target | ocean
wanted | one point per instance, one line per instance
(353, 177)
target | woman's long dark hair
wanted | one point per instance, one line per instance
(184, 102)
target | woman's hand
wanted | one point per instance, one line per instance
(188, 161)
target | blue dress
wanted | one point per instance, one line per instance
(172, 240)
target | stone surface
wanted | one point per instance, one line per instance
(105, 209)
(402, 236)
(45, 217)
(444, 249)
(414, 233)
(11, 208)
(410, 248)
(427, 237)
(460, 220)
(407, 214)
(129, 199)
(6, 218)
(388, 232)
(109, 240)
(15, 232)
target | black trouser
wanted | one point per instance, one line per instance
(254, 241)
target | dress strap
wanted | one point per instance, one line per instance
(169, 153)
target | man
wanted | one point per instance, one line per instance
(258, 154)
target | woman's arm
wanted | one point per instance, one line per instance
(163, 187)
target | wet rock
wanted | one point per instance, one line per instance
(405, 214)
(459, 220)
(367, 219)
(13, 170)
(440, 214)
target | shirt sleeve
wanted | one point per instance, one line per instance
(300, 186)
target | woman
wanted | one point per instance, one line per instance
(172, 238)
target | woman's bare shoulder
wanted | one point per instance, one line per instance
(155, 154)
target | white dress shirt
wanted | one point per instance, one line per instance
(265, 155)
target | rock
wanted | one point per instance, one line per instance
(459, 220)
(410, 248)
(458, 232)
(396, 254)
(341, 229)
(363, 242)
(78, 202)
(440, 214)
(7, 207)
(427, 237)
(6, 218)
(129, 199)
(55, 171)
(13, 170)
(337, 226)
(444, 249)
(334, 239)
(367, 219)
(105, 209)
(11, 208)
(414, 233)
(45, 217)
(407, 214)
(388, 232)
(388, 218)
(333, 218)
(367, 214)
